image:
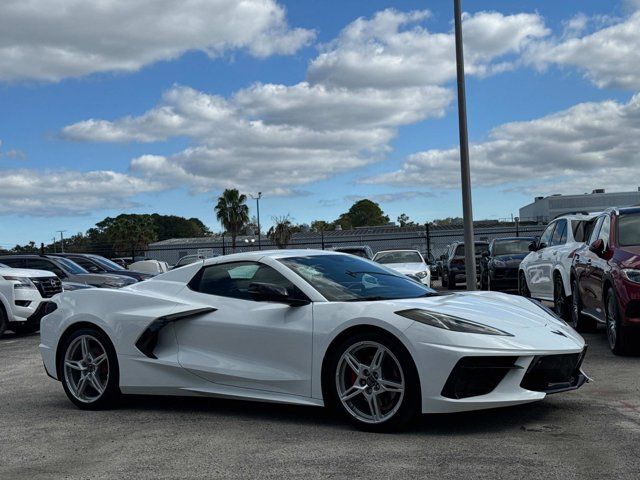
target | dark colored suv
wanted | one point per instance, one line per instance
(605, 279)
(453, 267)
(97, 264)
(499, 265)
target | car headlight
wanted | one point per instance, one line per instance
(547, 309)
(422, 274)
(631, 274)
(449, 322)
(499, 263)
(20, 282)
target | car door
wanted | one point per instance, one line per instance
(585, 268)
(246, 343)
(538, 269)
(598, 268)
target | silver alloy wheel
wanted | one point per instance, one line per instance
(86, 368)
(370, 382)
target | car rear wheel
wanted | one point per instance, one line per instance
(89, 370)
(372, 381)
(560, 302)
(577, 320)
(451, 281)
(523, 288)
(3, 320)
(620, 341)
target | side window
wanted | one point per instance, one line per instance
(90, 266)
(560, 233)
(595, 233)
(604, 230)
(233, 280)
(41, 264)
(546, 235)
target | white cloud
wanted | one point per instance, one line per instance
(53, 39)
(587, 146)
(58, 193)
(286, 136)
(394, 49)
(609, 56)
(392, 197)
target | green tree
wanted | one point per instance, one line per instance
(232, 212)
(363, 213)
(322, 225)
(404, 221)
(281, 232)
(132, 233)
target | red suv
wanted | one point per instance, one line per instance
(605, 279)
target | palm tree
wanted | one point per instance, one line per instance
(232, 212)
(281, 232)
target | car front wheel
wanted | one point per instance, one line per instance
(372, 380)
(620, 341)
(89, 370)
(560, 301)
(578, 321)
(523, 288)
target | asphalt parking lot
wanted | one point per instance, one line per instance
(590, 433)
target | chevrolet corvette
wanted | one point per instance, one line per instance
(313, 328)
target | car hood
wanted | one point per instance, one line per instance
(19, 272)
(406, 268)
(531, 326)
(631, 256)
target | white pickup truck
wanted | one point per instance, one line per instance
(23, 297)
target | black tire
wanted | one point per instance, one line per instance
(24, 329)
(621, 341)
(561, 304)
(523, 288)
(577, 320)
(3, 320)
(444, 280)
(111, 395)
(410, 405)
(451, 281)
(484, 284)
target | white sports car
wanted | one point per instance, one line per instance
(311, 328)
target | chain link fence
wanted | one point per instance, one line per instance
(432, 241)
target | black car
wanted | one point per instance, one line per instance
(499, 264)
(97, 264)
(453, 264)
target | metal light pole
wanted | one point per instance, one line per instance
(61, 240)
(467, 211)
(257, 199)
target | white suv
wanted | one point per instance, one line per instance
(23, 297)
(545, 273)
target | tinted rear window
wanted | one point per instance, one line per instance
(629, 229)
(480, 247)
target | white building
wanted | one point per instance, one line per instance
(544, 209)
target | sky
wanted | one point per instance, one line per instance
(123, 106)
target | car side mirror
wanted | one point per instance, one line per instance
(597, 247)
(93, 269)
(269, 292)
(485, 254)
(533, 246)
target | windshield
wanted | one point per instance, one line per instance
(398, 257)
(70, 266)
(511, 247)
(629, 229)
(480, 248)
(106, 263)
(346, 278)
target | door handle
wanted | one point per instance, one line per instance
(555, 252)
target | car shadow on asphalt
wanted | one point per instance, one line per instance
(494, 420)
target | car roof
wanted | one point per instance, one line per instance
(624, 210)
(399, 250)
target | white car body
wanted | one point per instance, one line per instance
(21, 299)
(555, 258)
(151, 267)
(419, 270)
(266, 351)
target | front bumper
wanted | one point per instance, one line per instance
(436, 363)
(504, 279)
